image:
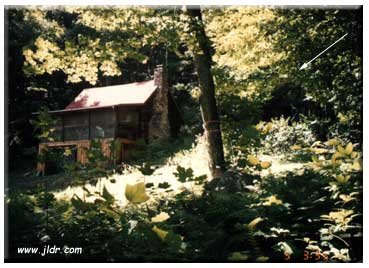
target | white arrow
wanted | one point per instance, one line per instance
(306, 64)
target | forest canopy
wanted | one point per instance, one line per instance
(256, 50)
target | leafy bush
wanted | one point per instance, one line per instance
(312, 214)
(44, 125)
(279, 135)
(293, 218)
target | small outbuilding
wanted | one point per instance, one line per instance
(121, 113)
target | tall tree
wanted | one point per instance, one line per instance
(209, 111)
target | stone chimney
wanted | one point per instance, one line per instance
(159, 127)
(159, 76)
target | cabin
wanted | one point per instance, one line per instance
(121, 113)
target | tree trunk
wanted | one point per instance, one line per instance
(208, 104)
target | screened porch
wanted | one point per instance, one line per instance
(102, 123)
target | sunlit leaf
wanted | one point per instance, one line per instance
(342, 178)
(356, 165)
(341, 150)
(267, 128)
(295, 147)
(260, 126)
(132, 225)
(67, 152)
(272, 200)
(252, 224)
(316, 143)
(354, 155)
(136, 193)
(262, 259)
(253, 161)
(346, 198)
(349, 148)
(265, 164)
(285, 248)
(45, 238)
(160, 233)
(238, 256)
(163, 216)
(335, 162)
(280, 231)
(337, 155)
(341, 255)
(319, 150)
(333, 142)
(342, 216)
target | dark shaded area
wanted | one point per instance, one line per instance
(289, 100)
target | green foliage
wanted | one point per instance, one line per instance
(278, 219)
(280, 41)
(44, 124)
(186, 175)
(238, 117)
(136, 193)
(146, 169)
(279, 135)
(337, 160)
(99, 164)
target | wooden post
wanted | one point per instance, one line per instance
(89, 124)
(81, 151)
(41, 165)
(115, 122)
(62, 119)
(140, 128)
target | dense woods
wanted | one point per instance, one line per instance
(267, 165)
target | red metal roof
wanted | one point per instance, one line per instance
(127, 94)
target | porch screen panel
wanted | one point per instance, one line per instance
(76, 126)
(128, 123)
(102, 123)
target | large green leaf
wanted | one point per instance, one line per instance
(238, 256)
(136, 193)
(160, 233)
